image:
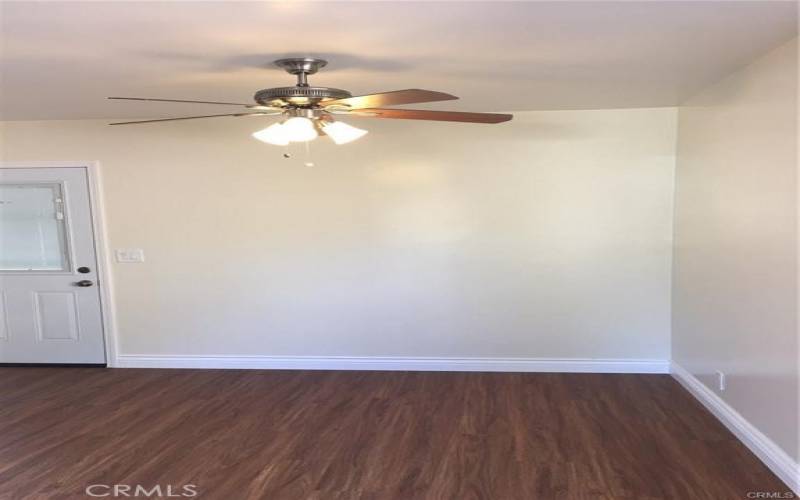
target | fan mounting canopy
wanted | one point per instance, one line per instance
(297, 65)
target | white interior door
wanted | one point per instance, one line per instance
(49, 298)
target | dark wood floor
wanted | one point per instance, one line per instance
(287, 435)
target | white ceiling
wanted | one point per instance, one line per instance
(61, 59)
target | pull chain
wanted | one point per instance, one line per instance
(308, 162)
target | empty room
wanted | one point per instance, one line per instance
(324, 250)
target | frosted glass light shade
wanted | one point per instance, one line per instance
(302, 129)
(274, 134)
(342, 133)
(299, 129)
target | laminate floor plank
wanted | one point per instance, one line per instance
(330, 435)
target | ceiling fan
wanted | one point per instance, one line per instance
(308, 112)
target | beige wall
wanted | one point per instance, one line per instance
(549, 236)
(735, 274)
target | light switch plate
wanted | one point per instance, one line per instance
(129, 255)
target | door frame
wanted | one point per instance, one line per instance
(100, 240)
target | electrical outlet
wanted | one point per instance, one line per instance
(720, 380)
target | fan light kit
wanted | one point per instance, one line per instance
(308, 112)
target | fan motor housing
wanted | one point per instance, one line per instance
(299, 96)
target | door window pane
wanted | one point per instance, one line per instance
(32, 233)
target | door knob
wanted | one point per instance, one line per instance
(84, 283)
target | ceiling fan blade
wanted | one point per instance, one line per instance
(392, 98)
(190, 118)
(178, 100)
(422, 114)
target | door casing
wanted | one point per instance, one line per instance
(100, 244)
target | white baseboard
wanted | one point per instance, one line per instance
(763, 447)
(396, 363)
